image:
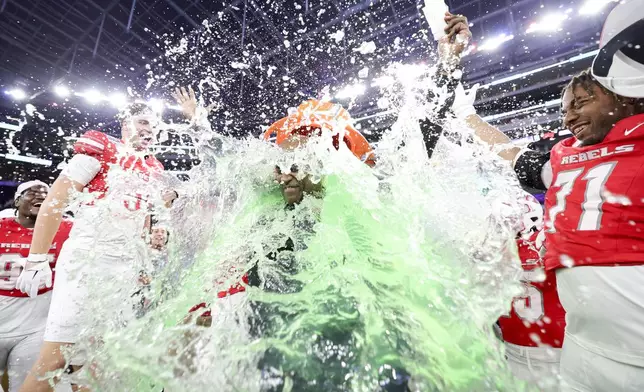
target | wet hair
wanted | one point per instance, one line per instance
(133, 109)
(586, 80)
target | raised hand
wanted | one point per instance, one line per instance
(187, 100)
(458, 37)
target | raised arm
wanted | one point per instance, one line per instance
(80, 170)
(447, 77)
(50, 216)
(464, 110)
(532, 167)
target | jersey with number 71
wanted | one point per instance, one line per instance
(595, 204)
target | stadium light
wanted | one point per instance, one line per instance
(92, 96)
(16, 94)
(118, 100)
(591, 7)
(491, 44)
(157, 105)
(549, 23)
(511, 113)
(351, 91)
(62, 91)
(540, 69)
(28, 159)
(383, 81)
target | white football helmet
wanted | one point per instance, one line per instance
(619, 65)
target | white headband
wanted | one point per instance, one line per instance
(26, 185)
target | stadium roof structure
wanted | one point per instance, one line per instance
(109, 43)
(256, 58)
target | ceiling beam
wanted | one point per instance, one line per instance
(135, 35)
(183, 13)
(347, 13)
(21, 46)
(197, 26)
(87, 31)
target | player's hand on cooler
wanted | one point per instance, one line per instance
(187, 99)
(452, 46)
(463, 105)
(35, 272)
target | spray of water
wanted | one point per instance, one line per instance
(391, 273)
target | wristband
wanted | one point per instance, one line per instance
(37, 258)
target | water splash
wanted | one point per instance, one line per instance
(391, 273)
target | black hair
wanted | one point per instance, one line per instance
(10, 204)
(586, 80)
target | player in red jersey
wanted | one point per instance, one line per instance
(533, 332)
(594, 234)
(22, 319)
(105, 243)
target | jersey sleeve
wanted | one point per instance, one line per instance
(92, 143)
(64, 230)
(533, 169)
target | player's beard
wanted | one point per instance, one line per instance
(599, 131)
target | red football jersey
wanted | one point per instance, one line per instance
(111, 151)
(537, 317)
(15, 242)
(595, 205)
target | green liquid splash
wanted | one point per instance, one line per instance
(375, 285)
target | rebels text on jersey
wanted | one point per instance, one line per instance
(15, 242)
(537, 317)
(595, 205)
(110, 151)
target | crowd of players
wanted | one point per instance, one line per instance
(579, 326)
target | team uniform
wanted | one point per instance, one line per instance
(104, 253)
(533, 332)
(595, 242)
(22, 319)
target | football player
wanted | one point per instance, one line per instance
(103, 243)
(594, 222)
(533, 332)
(23, 319)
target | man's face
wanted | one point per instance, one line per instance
(293, 190)
(143, 135)
(591, 116)
(158, 238)
(29, 202)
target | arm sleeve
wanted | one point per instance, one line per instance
(432, 128)
(89, 150)
(92, 143)
(533, 169)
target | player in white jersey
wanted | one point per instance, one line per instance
(100, 259)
